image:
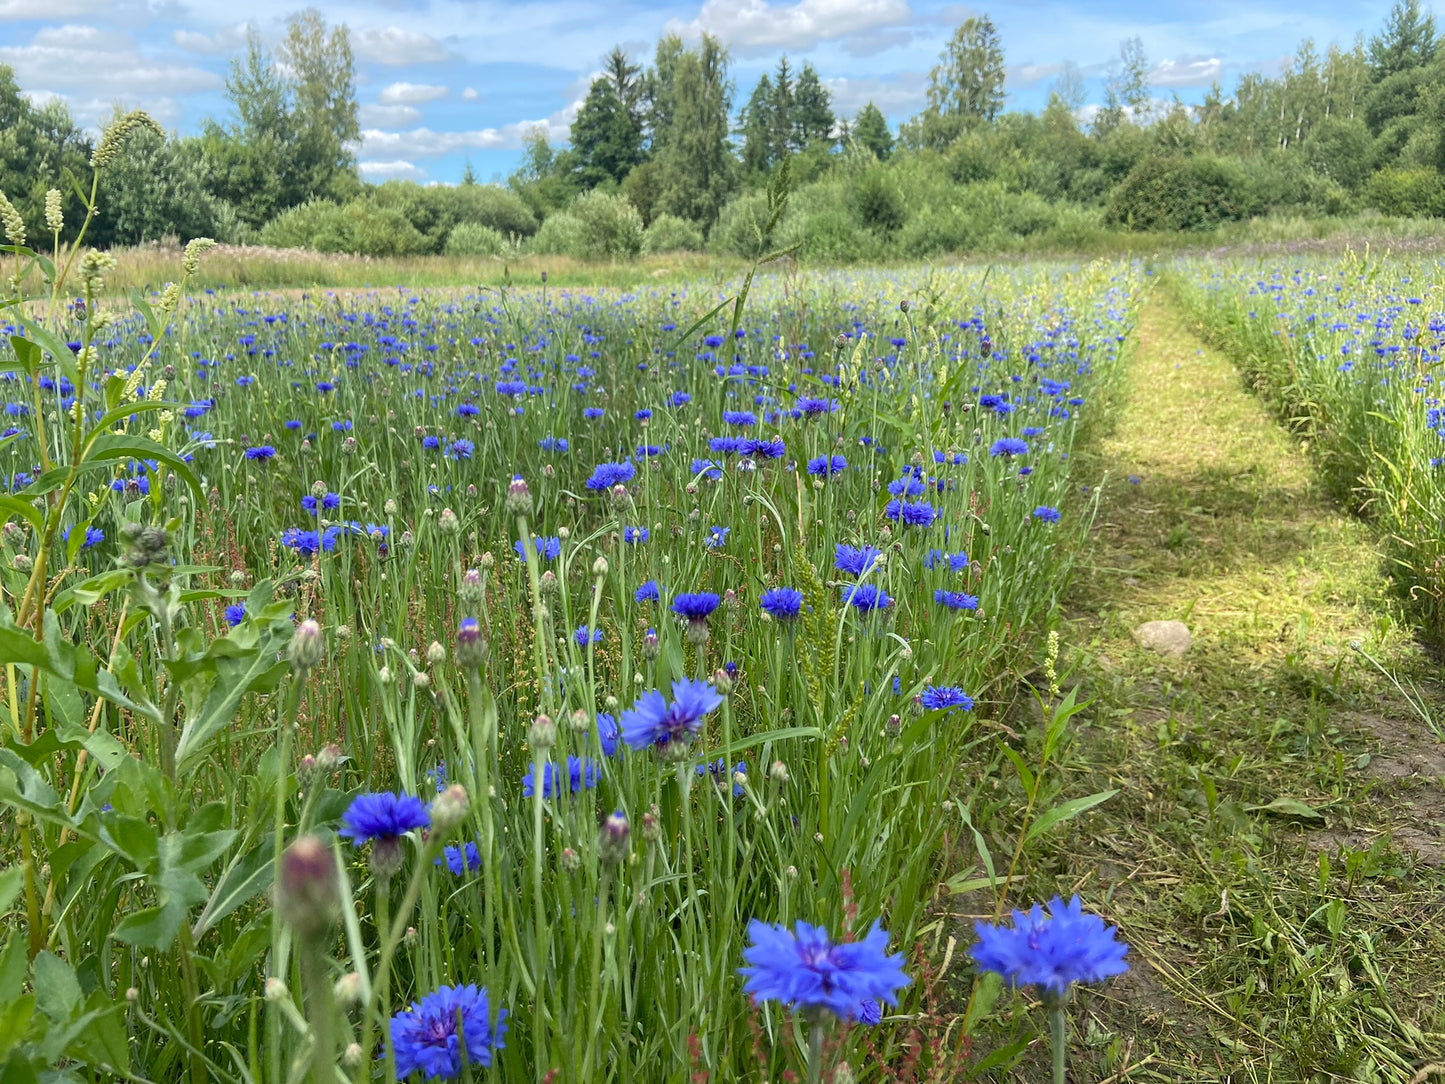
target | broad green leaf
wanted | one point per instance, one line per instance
(108, 447)
(59, 351)
(180, 857)
(10, 882)
(244, 878)
(236, 674)
(985, 995)
(24, 788)
(56, 990)
(1289, 809)
(14, 506)
(27, 354)
(1066, 811)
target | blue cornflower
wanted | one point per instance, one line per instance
(716, 537)
(724, 445)
(648, 592)
(763, 449)
(584, 634)
(467, 410)
(856, 560)
(915, 514)
(806, 970)
(782, 603)
(607, 475)
(823, 465)
(308, 543)
(553, 444)
(866, 597)
(812, 406)
(907, 486)
(955, 600)
(955, 562)
(382, 816)
(461, 449)
(642, 415)
(1047, 514)
(431, 443)
(740, 418)
(666, 726)
(448, 1029)
(718, 769)
(546, 548)
(707, 468)
(94, 536)
(608, 733)
(581, 775)
(1008, 446)
(593, 412)
(633, 535)
(235, 614)
(261, 452)
(696, 606)
(1051, 952)
(712, 342)
(945, 698)
(461, 859)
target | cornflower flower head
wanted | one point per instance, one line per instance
(381, 819)
(948, 698)
(1051, 951)
(669, 726)
(866, 597)
(607, 475)
(584, 636)
(444, 1032)
(697, 606)
(716, 537)
(581, 775)
(911, 514)
(1008, 446)
(648, 592)
(633, 535)
(856, 560)
(461, 859)
(781, 603)
(548, 549)
(806, 970)
(822, 466)
(1045, 514)
(718, 769)
(235, 614)
(261, 453)
(955, 600)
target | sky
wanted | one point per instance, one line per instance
(445, 82)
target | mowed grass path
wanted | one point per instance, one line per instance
(1274, 854)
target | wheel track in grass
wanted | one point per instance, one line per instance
(1245, 967)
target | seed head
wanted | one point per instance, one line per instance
(54, 219)
(11, 220)
(115, 136)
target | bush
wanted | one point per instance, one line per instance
(474, 239)
(1407, 193)
(1176, 193)
(560, 235)
(358, 228)
(611, 226)
(876, 201)
(668, 233)
(740, 224)
(436, 210)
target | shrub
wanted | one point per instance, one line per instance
(739, 227)
(1177, 193)
(560, 235)
(1408, 193)
(474, 239)
(359, 227)
(668, 233)
(876, 201)
(610, 225)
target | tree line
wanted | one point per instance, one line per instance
(667, 154)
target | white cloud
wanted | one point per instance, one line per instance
(393, 45)
(1187, 71)
(426, 143)
(51, 9)
(759, 26)
(388, 116)
(400, 169)
(410, 94)
(222, 41)
(903, 93)
(83, 64)
(1029, 74)
(470, 94)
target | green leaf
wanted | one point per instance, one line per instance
(244, 878)
(10, 882)
(153, 323)
(1288, 809)
(59, 351)
(180, 857)
(985, 996)
(14, 506)
(30, 356)
(1066, 811)
(13, 961)
(242, 662)
(56, 990)
(112, 446)
(24, 788)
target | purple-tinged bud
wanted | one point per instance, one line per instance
(306, 647)
(448, 522)
(571, 860)
(519, 498)
(723, 682)
(614, 838)
(308, 891)
(651, 826)
(449, 809)
(651, 646)
(543, 734)
(471, 648)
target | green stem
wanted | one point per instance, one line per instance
(817, 1033)
(1059, 1027)
(539, 913)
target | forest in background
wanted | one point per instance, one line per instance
(669, 156)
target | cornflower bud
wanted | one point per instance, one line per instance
(450, 808)
(448, 522)
(543, 734)
(436, 654)
(308, 892)
(306, 647)
(613, 838)
(519, 498)
(471, 648)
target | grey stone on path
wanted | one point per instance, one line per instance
(1169, 638)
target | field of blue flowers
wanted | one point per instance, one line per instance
(533, 684)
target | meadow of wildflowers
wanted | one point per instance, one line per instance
(522, 685)
(1349, 350)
